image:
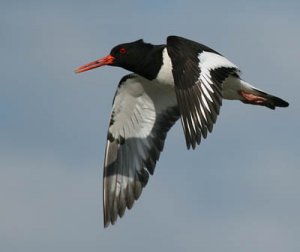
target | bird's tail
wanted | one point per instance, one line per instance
(254, 96)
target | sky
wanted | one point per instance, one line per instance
(238, 191)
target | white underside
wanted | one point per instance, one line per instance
(232, 87)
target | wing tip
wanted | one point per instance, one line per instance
(113, 208)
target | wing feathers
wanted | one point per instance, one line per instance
(142, 114)
(198, 73)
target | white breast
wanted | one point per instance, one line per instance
(165, 75)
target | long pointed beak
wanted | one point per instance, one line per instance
(97, 63)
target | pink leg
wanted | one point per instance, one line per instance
(252, 98)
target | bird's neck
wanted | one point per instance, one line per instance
(151, 62)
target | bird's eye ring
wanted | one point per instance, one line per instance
(122, 50)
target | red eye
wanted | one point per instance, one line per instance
(123, 50)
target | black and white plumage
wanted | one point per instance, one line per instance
(142, 114)
(182, 79)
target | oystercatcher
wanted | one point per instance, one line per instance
(180, 79)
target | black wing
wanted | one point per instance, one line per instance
(142, 114)
(198, 73)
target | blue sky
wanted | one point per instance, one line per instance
(238, 191)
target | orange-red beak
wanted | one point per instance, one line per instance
(97, 63)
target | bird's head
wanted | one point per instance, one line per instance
(129, 56)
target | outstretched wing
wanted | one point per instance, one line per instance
(142, 114)
(198, 73)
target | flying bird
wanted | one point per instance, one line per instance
(180, 79)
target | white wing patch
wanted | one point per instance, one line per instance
(131, 102)
(210, 60)
(208, 63)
